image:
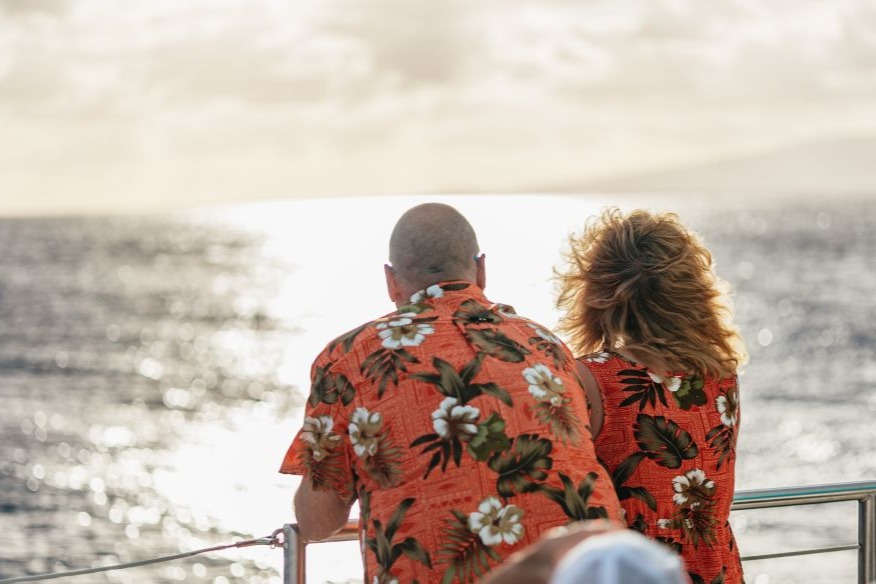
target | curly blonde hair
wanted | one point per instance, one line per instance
(643, 283)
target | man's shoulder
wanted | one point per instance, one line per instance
(512, 318)
(355, 337)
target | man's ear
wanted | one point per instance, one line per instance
(482, 271)
(392, 287)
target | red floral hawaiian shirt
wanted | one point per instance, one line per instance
(670, 444)
(461, 427)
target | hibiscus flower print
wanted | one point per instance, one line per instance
(495, 523)
(544, 385)
(692, 488)
(433, 291)
(728, 406)
(601, 357)
(694, 523)
(402, 331)
(317, 433)
(364, 432)
(453, 420)
(693, 516)
(671, 383)
(544, 334)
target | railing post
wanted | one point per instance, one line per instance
(867, 539)
(294, 568)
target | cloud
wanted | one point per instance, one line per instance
(394, 96)
(19, 8)
(413, 43)
(264, 54)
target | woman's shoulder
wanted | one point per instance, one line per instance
(718, 385)
(609, 365)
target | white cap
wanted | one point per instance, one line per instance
(619, 557)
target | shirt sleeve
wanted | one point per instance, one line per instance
(321, 449)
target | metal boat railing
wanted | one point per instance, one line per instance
(864, 492)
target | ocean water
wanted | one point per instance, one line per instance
(153, 369)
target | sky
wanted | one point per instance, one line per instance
(141, 105)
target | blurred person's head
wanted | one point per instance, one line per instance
(619, 557)
(643, 283)
(431, 243)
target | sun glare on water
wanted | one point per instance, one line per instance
(224, 473)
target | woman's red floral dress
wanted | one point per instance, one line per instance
(670, 445)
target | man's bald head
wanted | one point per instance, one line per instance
(433, 243)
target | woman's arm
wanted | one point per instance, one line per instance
(594, 398)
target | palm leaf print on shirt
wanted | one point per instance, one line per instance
(663, 441)
(549, 344)
(384, 365)
(382, 546)
(623, 472)
(472, 316)
(553, 406)
(472, 312)
(697, 579)
(464, 552)
(723, 436)
(346, 340)
(458, 384)
(329, 387)
(454, 421)
(521, 468)
(575, 502)
(641, 388)
(497, 345)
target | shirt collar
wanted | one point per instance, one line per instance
(452, 291)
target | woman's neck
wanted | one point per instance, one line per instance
(658, 366)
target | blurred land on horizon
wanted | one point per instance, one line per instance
(840, 166)
(843, 166)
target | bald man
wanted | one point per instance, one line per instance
(460, 427)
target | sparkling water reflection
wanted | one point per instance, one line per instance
(154, 368)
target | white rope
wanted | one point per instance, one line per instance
(271, 540)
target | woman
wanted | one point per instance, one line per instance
(658, 361)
